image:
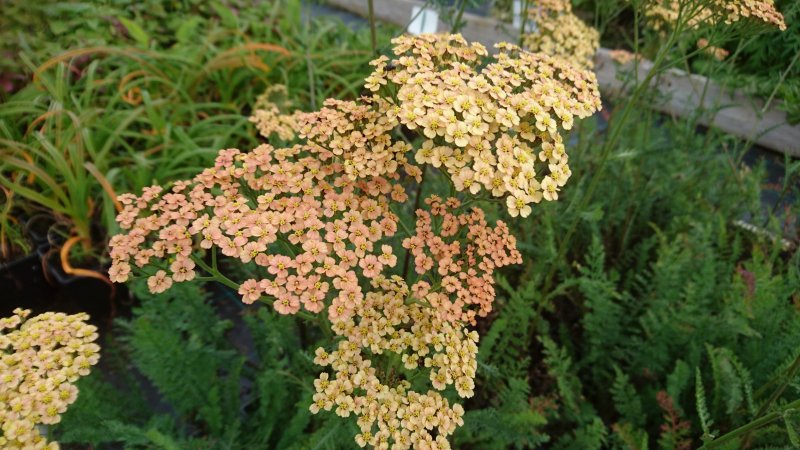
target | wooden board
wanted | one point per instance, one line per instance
(680, 93)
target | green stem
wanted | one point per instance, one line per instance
(775, 395)
(616, 132)
(749, 427)
(459, 15)
(312, 88)
(780, 83)
(779, 391)
(416, 207)
(216, 274)
(403, 225)
(523, 22)
(373, 34)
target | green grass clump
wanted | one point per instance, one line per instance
(118, 117)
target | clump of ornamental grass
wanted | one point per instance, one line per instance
(561, 33)
(40, 360)
(315, 221)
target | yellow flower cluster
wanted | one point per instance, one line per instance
(393, 323)
(491, 124)
(482, 123)
(40, 359)
(557, 6)
(561, 33)
(269, 119)
(664, 13)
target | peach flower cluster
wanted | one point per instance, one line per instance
(456, 254)
(664, 13)
(359, 134)
(390, 415)
(483, 121)
(562, 34)
(40, 360)
(292, 214)
(717, 53)
(623, 56)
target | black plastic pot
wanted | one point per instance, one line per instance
(36, 281)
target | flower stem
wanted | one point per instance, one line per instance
(606, 152)
(523, 22)
(373, 34)
(776, 394)
(216, 274)
(749, 427)
(457, 22)
(416, 207)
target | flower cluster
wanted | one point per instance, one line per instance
(358, 134)
(483, 122)
(561, 33)
(557, 6)
(717, 53)
(664, 13)
(40, 359)
(390, 415)
(622, 56)
(458, 261)
(309, 230)
(269, 118)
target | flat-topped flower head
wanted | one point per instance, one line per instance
(492, 124)
(41, 358)
(296, 214)
(269, 117)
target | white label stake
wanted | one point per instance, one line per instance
(423, 20)
(516, 19)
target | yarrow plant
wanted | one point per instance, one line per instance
(40, 360)
(317, 224)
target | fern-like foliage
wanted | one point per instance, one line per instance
(195, 384)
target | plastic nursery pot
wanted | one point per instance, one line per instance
(38, 282)
(37, 229)
(85, 292)
(22, 284)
